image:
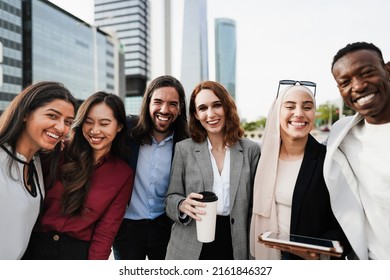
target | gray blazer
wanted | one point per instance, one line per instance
(192, 172)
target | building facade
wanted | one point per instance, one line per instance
(11, 56)
(58, 46)
(225, 53)
(194, 62)
(130, 19)
(43, 42)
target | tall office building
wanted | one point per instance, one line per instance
(130, 20)
(60, 47)
(225, 53)
(43, 42)
(161, 46)
(194, 62)
(11, 51)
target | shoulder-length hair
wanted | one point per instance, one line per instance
(142, 131)
(233, 130)
(34, 96)
(79, 163)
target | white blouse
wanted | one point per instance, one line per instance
(221, 184)
(18, 208)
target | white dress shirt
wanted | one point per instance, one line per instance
(221, 184)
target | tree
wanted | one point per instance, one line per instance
(252, 126)
(327, 114)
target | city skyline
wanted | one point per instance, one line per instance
(278, 40)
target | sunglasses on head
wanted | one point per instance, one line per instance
(294, 83)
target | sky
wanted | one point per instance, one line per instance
(279, 39)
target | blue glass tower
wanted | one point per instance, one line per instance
(225, 53)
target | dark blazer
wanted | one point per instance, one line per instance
(311, 212)
(192, 172)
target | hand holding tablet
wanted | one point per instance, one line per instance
(309, 247)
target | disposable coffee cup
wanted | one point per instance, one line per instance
(205, 228)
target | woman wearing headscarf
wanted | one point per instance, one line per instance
(290, 195)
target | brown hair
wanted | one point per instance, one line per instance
(141, 133)
(233, 130)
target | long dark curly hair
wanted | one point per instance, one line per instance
(141, 132)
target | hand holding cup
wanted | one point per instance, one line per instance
(192, 206)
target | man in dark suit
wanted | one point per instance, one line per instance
(145, 230)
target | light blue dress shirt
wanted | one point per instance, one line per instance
(151, 180)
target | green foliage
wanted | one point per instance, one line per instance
(347, 111)
(327, 114)
(252, 126)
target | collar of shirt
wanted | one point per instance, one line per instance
(151, 180)
(102, 160)
(210, 146)
(168, 138)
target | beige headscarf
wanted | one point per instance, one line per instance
(264, 216)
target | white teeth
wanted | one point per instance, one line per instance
(213, 122)
(161, 118)
(52, 135)
(95, 139)
(365, 99)
(297, 123)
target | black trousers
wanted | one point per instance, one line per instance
(138, 239)
(221, 248)
(56, 246)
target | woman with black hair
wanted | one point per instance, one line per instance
(85, 204)
(37, 118)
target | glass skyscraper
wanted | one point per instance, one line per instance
(61, 47)
(130, 20)
(11, 60)
(225, 53)
(40, 41)
(194, 62)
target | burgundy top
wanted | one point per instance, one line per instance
(104, 208)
